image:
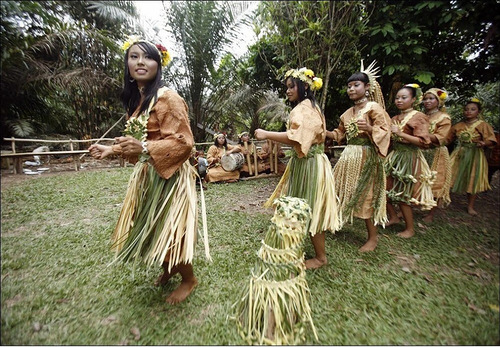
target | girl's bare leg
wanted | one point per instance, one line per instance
(471, 198)
(188, 283)
(393, 216)
(430, 217)
(408, 217)
(165, 277)
(371, 244)
(319, 260)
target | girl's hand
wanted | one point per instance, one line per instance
(395, 129)
(363, 125)
(480, 144)
(129, 145)
(100, 151)
(260, 134)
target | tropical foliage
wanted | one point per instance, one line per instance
(61, 67)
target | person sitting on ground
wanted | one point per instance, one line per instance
(215, 172)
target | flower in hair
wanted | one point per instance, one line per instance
(412, 85)
(475, 100)
(306, 75)
(164, 54)
(132, 39)
(442, 94)
(419, 95)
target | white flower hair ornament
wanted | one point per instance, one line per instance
(306, 75)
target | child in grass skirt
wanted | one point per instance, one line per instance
(469, 166)
(409, 178)
(308, 174)
(360, 180)
(158, 219)
(437, 155)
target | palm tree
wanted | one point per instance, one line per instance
(203, 31)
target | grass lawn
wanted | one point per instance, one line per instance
(439, 288)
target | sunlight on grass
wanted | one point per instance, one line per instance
(57, 288)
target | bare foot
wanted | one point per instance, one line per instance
(369, 246)
(406, 234)
(315, 263)
(182, 291)
(393, 221)
(471, 211)
(428, 219)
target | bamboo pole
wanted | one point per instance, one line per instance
(270, 149)
(106, 133)
(256, 172)
(76, 161)
(275, 152)
(248, 159)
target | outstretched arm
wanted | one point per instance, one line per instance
(261, 134)
(98, 151)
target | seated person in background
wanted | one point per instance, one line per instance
(201, 164)
(264, 155)
(215, 172)
(245, 171)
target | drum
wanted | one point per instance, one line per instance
(232, 161)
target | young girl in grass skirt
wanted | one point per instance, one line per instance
(436, 154)
(469, 166)
(359, 173)
(308, 174)
(409, 178)
(158, 219)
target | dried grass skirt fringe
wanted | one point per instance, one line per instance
(411, 175)
(360, 183)
(469, 169)
(311, 178)
(159, 217)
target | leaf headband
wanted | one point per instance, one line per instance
(306, 75)
(440, 94)
(164, 54)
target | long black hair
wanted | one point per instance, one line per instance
(304, 93)
(130, 95)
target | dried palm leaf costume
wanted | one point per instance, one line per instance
(469, 166)
(308, 174)
(159, 217)
(274, 307)
(409, 178)
(437, 156)
(360, 180)
(215, 172)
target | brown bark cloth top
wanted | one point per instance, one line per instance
(169, 138)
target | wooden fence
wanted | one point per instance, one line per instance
(15, 158)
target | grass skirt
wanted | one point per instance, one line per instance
(274, 307)
(469, 169)
(439, 160)
(361, 183)
(311, 178)
(410, 176)
(158, 219)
